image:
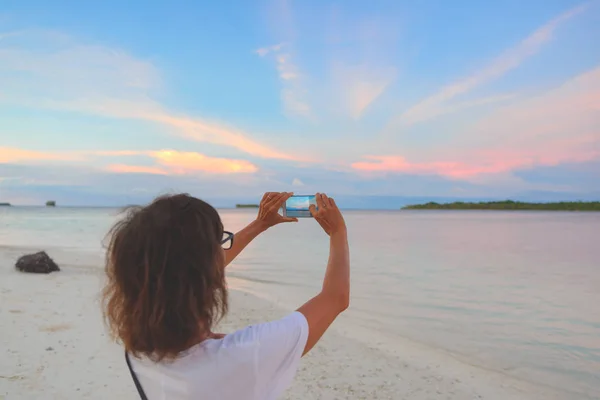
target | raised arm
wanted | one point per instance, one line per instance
(323, 309)
(268, 216)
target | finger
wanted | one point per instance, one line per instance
(331, 202)
(313, 210)
(289, 194)
(273, 196)
(325, 200)
(266, 198)
(289, 219)
(277, 201)
(319, 198)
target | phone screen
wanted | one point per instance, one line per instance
(297, 206)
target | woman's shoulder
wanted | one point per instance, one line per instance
(291, 325)
(280, 335)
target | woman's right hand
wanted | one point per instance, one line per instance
(327, 214)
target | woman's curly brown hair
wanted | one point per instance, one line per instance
(166, 285)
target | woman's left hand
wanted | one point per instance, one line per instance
(268, 211)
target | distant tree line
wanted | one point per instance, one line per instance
(509, 205)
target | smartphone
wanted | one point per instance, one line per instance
(297, 206)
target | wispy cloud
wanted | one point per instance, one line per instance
(195, 129)
(558, 126)
(59, 73)
(135, 169)
(452, 107)
(263, 51)
(435, 105)
(287, 70)
(293, 91)
(297, 182)
(359, 86)
(50, 65)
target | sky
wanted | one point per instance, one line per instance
(112, 103)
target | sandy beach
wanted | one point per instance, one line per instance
(55, 346)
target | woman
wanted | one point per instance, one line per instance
(166, 291)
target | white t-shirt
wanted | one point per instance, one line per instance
(255, 363)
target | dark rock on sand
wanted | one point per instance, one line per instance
(39, 263)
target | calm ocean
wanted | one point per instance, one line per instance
(513, 292)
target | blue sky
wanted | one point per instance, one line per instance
(112, 103)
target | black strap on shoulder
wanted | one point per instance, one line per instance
(138, 386)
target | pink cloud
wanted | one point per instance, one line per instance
(168, 161)
(400, 164)
(14, 155)
(180, 162)
(451, 169)
(484, 162)
(185, 162)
